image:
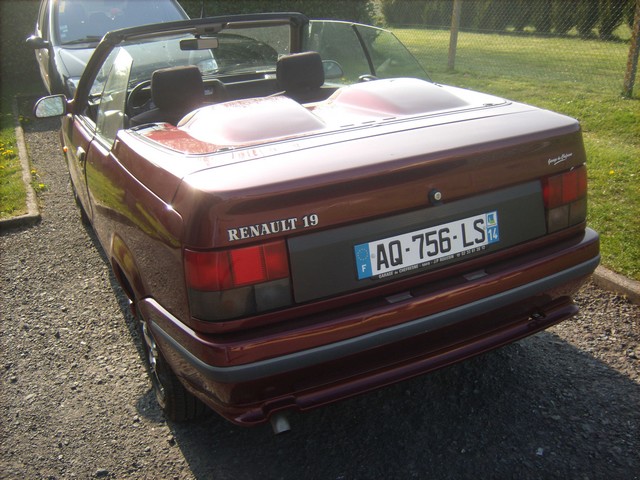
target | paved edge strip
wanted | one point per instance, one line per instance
(614, 282)
(603, 277)
(33, 211)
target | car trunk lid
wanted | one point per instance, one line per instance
(342, 179)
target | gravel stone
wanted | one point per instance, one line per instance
(75, 401)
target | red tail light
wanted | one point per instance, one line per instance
(207, 270)
(565, 198)
(565, 188)
(223, 270)
(237, 282)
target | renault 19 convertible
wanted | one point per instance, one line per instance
(299, 215)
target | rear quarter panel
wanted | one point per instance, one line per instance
(140, 232)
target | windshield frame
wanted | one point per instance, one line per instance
(197, 27)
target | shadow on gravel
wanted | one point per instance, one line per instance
(526, 411)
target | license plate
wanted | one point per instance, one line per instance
(426, 247)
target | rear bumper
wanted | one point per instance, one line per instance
(397, 333)
(249, 393)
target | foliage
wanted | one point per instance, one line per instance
(17, 60)
(587, 13)
(404, 12)
(353, 10)
(611, 14)
(539, 16)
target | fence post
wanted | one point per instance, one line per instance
(632, 61)
(453, 38)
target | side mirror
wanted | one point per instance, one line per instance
(332, 69)
(36, 42)
(53, 106)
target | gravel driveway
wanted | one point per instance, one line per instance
(75, 401)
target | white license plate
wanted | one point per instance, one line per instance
(429, 246)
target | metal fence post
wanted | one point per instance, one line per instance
(453, 38)
(632, 61)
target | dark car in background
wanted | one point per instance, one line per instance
(67, 32)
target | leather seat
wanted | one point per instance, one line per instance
(301, 77)
(175, 92)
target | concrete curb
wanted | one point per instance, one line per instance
(617, 283)
(33, 211)
(602, 277)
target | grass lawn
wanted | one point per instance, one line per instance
(12, 192)
(13, 197)
(579, 78)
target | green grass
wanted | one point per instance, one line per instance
(13, 196)
(580, 78)
(12, 192)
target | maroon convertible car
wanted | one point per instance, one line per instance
(298, 215)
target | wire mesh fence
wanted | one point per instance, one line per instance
(570, 56)
(560, 41)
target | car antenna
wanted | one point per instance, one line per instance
(202, 14)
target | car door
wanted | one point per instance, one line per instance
(89, 139)
(76, 141)
(42, 32)
(102, 170)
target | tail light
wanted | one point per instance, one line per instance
(234, 283)
(565, 198)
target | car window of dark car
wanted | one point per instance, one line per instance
(71, 21)
(89, 20)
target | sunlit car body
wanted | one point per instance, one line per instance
(298, 215)
(67, 32)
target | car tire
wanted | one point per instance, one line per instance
(177, 403)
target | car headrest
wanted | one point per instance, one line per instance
(300, 72)
(177, 88)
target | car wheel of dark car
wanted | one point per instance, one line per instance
(176, 402)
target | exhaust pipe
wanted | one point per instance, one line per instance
(280, 423)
